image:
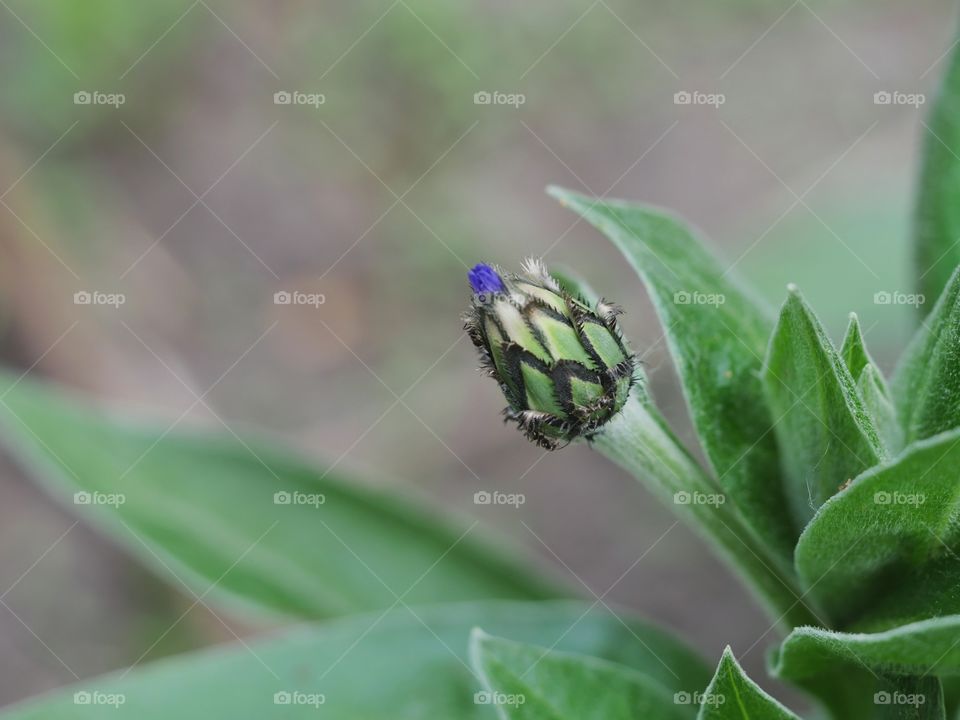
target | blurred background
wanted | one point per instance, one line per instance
(196, 158)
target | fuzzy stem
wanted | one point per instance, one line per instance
(639, 440)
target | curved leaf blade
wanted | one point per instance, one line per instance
(731, 695)
(418, 662)
(936, 224)
(926, 383)
(527, 682)
(248, 523)
(718, 348)
(928, 647)
(640, 440)
(825, 434)
(889, 540)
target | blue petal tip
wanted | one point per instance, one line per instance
(484, 279)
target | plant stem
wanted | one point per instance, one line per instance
(639, 440)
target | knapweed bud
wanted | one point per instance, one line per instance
(561, 363)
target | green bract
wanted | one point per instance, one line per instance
(560, 362)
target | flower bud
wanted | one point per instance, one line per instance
(561, 363)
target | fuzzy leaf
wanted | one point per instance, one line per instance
(202, 508)
(887, 543)
(926, 384)
(854, 349)
(825, 434)
(936, 224)
(928, 647)
(393, 666)
(878, 404)
(871, 386)
(640, 440)
(717, 335)
(527, 682)
(731, 695)
(911, 698)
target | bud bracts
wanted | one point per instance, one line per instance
(561, 363)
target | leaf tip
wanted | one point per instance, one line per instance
(566, 198)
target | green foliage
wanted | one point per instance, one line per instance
(834, 495)
(532, 683)
(926, 383)
(204, 510)
(937, 213)
(825, 434)
(884, 544)
(731, 695)
(402, 665)
(718, 346)
(925, 647)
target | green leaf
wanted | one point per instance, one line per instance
(205, 509)
(926, 384)
(878, 405)
(913, 698)
(871, 387)
(928, 647)
(717, 335)
(825, 434)
(400, 665)
(887, 543)
(937, 214)
(527, 682)
(854, 349)
(731, 695)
